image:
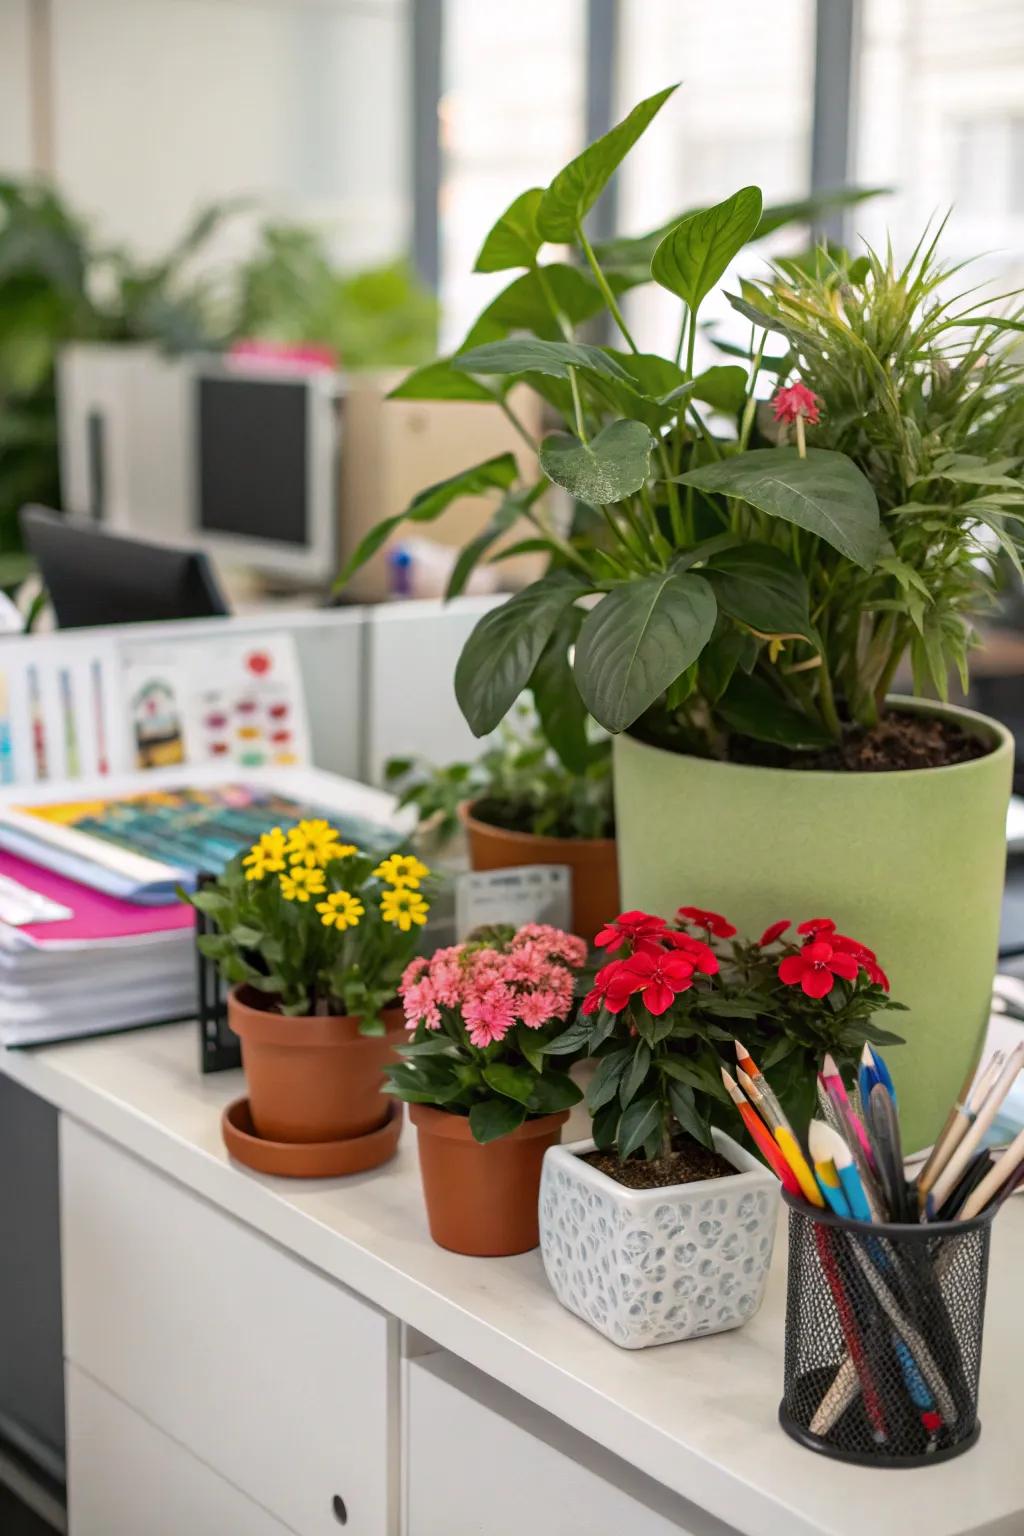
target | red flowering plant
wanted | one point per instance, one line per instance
(481, 1016)
(670, 995)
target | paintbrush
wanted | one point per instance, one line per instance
(958, 1122)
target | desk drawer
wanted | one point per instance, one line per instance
(126, 1478)
(276, 1377)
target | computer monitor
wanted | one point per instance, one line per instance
(96, 577)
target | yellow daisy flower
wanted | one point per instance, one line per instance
(300, 883)
(266, 856)
(403, 870)
(403, 908)
(315, 843)
(341, 910)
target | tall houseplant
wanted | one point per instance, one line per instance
(739, 605)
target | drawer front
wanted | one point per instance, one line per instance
(126, 1478)
(276, 1377)
(525, 1472)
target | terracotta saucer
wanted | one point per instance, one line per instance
(308, 1159)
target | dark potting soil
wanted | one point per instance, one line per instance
(897, 741)
(687, 1163)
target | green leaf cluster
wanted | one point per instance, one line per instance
(690, 585)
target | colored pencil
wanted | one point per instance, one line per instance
(851, 1333)
(761, 1136)
(753, 1071)
(834, 1086)
(787, 1142)
(828, 1146)
(984, 1117)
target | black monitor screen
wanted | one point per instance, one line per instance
(253, 460)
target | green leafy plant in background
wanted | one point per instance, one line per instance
(733, 586)
(289, 290)
(518, 782)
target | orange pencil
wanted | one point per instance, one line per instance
(761, 1136)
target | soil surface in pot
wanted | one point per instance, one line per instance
(521, 815)
(896, 742)
(687, 1163)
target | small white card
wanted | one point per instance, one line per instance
(529, 893)
(20, 905)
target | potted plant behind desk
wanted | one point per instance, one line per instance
(485, 1098)
(314, 936)
(521, 803)
(770, 539)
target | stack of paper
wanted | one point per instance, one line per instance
(76, 961)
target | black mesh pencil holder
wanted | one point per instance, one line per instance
(883, 1337)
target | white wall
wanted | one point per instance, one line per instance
(162, 105)
(15, 117)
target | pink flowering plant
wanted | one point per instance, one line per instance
(671, 996)
(481, 1016)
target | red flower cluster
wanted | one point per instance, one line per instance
(796, 401)
(661, 963)
(825, 955)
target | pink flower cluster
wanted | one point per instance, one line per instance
(530, 981)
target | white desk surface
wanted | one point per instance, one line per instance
(700, 1416)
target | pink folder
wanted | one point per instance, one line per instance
(96, 915)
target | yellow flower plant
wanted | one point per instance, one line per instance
(316, 924)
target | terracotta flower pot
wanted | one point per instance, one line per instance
(315, 1077)
(482, 1200)
(593, 863)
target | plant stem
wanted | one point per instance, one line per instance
(682, 335)
(675, 509)
(801, 438)
(577, 405)
(526, 435)
(750, 405)
(606, 292)
(827, 700)
(691, 342)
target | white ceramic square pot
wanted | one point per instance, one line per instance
(653, 1266)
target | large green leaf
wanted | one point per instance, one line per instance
(498, 659)
(553, 1092)
(753, 708)
(563, 717)
(513, 505)
(510, 1081)
(528, 355)
(638, 640)
(825, 493)
(762, 588)
(723, 387)
(576, 189)
(496, 473)
(513, 241)
(440, 381)
(612, 465)
(693, 256)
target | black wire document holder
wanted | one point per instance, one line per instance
(883, 1337)
(219, 1047)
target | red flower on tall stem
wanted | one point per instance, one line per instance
(712, 922)
(796, 403)
(772, 932)
(629, 927)
(816, 967)
(658, 978)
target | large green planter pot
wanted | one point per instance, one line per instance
(911, 863)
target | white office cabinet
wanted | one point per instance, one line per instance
(127, 1478)
(277, 1378)
(520, 1471)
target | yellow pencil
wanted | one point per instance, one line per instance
(790, 1148)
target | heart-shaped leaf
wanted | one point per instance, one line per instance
(825, 493)
(612, 465)
(513, 241)
(693, 256)
(637, 640)
(528, 355)
(762, 588)
(576, 189)
(440, 381)
(753, 708)
(496, 473)
(498, 659)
